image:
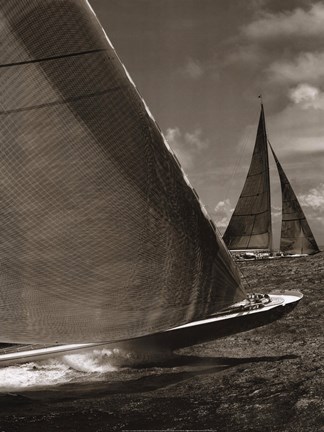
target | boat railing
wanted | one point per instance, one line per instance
(19, 348)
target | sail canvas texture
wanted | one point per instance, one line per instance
(296, 235)
(250, 224)
(101, 236)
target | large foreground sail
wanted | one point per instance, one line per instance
(101, 236)
(296, 235)
(250, 224)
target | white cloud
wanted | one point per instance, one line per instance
(195, 140)
(304, 93)
(294, 23)
(173, 135)
(306, 67)
(314, 198)
(287, 47)
(282, 36)
(187, 146)
(276, 212)
(307, 96)
(296, 130)
(223, 211)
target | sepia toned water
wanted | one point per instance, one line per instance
(269, 379)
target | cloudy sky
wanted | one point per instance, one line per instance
(200, 66)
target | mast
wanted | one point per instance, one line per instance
(102, 237)
(250, 225)
(296, 235)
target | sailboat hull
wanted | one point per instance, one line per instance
(215, 327)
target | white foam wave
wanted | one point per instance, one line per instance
(96, 360)
(103, 359)
(33, 374)
(86, 366)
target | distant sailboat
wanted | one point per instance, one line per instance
(250, 227)
(102, 240)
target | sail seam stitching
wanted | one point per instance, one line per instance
(250, 214)
(44, 59)
(60, 102)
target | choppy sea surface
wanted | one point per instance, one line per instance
(268, 379)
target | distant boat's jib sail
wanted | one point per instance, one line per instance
(101, 235)
(296, 235)
(250, 225)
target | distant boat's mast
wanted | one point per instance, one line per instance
(267, 165)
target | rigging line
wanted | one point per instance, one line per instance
(45, 59)
(244, 278)
(246, 139)
(238, 162)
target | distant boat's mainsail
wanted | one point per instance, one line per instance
(101, 236)
(250, 224)
(296, 235)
